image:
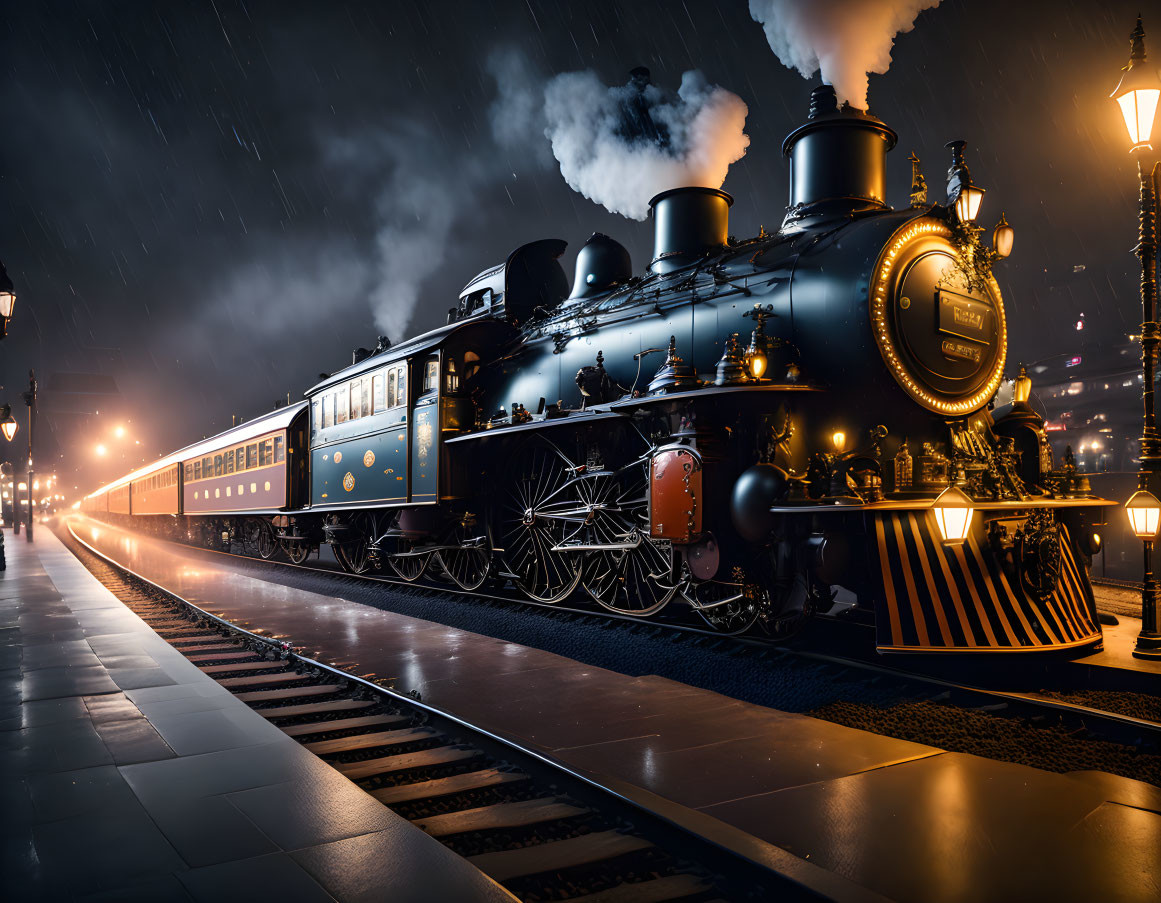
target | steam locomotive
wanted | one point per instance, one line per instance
(761, 430)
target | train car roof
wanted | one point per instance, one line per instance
(280, 418)
(396, 353)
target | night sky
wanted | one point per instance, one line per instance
(197, 195)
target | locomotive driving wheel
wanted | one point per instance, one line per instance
(636, 579)
(296, 550)
(536, 510)
(468, 566)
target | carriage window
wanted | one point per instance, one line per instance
(266, 452)
(401, 389)
(228, 462)
(316, 414)
(342, 403)
(392, 399)
(251, 455)
(356, 404)
(328, 406)
(207, 467)
(279, 449)
(197, 470)
(262, 462)
(430, 376)
(217, 465)
(366, 381)
(189, 472)
(451, 378)
(377, 393)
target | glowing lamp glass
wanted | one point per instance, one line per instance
(1003, 238)
(953, 511)
(1139, 107)
(7, 302)
(9, 427)
(756, 362)
(838, 439)
(1021, 389)
(1144, 512)
(967, 203)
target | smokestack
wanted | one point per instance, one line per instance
(689, 223)
(838, 162)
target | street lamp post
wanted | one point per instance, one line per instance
(1137, 95)
(7, 300)
(30, 400)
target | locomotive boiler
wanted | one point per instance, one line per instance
(761, 429)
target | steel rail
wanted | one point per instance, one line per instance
(691, 834)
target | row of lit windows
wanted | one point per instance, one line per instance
(362, 397)
(161, 480)
(199, 494)
(271, 450)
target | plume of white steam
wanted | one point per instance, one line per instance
(585, 123)
(421, 188)
(845, 39)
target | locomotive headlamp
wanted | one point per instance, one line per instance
(961, 191)
(756, 357)
(1138, 92)
(1021, 387)
(7, 422)
(1144, 512)
(1003, 238)
(953, 515)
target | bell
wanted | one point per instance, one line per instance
(675, 375)
(731, 368)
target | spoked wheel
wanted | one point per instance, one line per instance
(729, 608)
(538, 508)
(638, 579)
(354, 554)
(468, 567)
(265, 543)
(407, 563)
(297, 550)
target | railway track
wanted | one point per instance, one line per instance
(539, 829)
(1037, 708)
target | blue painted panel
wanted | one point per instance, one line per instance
(370, 468)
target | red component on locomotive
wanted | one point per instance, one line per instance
(675, 495)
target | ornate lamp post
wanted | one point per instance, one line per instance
(1137, 95)
(30, 400)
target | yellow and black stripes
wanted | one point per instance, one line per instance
(959, 598)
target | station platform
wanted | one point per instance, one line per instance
(907, 821)
(129, 775)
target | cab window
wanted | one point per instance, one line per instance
(328, 407)
(365, 384)
(401, 389)
(342, 403)
(431, 376)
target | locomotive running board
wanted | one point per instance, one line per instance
(933, 598)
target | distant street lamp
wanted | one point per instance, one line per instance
(8, 424)
(7, 300)
(1137, 94)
